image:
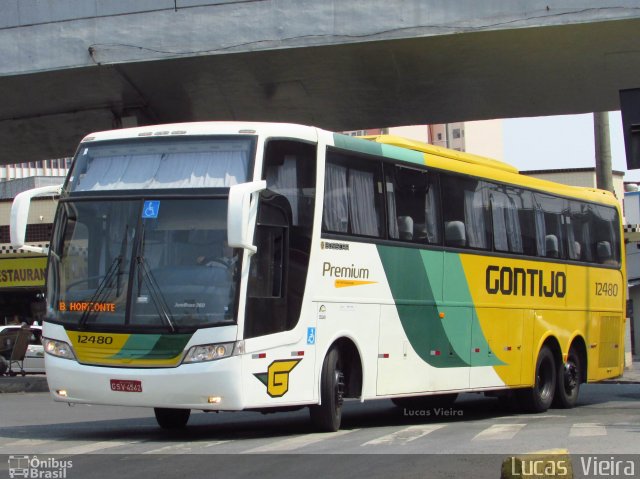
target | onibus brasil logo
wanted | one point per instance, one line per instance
(33, 467)
(277, 376)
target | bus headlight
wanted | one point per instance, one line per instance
(209, 352)
(58, 348)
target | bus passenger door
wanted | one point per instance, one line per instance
(279, 332)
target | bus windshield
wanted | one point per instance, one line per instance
(161, 163)
(142, 264)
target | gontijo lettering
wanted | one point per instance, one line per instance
(525, 282)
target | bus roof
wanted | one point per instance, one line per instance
(440, 151)
(479, 166)
(434, 156)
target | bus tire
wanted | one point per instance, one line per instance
(568, 382)
(327, 416)
(172, 418)
(539, 398)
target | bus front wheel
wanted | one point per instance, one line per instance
(540, 396)
(327, 416)
(172, 418)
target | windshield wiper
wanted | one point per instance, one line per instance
(106, 285)
(156, 295)
(103, 289)
(123, 252)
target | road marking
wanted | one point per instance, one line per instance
(587, 429)
(298, 442)
(91, 447)
(499, 432)
(26, 442)
(182, 448)
(405, 435)
(531, 416)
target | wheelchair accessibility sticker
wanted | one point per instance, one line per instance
(150, 209)
(277, 376)
(311, 335)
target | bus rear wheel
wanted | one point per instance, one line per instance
(327, 416)
(172, 418)
(539, 398)
(568, 383)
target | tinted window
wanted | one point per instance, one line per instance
(412, 205)
(352, 196)
(465, 211)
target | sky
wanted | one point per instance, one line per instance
(566, 141)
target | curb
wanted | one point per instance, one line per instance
(23, 384)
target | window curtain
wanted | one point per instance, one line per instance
(393, 211)
(571, 239)
(336, 204)
(498, 206)
(541, 229)
(587, 250)
(362, 213)
(474, 217)
(514, 233)
(173, 170)
(284, 180)
(431, 216)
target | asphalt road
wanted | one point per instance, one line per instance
(376, 440)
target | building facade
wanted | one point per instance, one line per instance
(22, 274)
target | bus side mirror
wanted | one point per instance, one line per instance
(241, 213)
(20, 215)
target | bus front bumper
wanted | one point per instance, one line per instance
(213, 385)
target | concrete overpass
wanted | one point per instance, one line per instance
(68, 67)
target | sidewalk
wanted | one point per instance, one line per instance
(629, 376)
(31, 383)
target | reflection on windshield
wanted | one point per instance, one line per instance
(113, 264)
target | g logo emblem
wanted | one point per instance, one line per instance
(277, 376)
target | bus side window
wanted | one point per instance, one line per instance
(267, 305)
(507, 234)
(605, 234)
(412, 204)
(266, 276)
(467, 200)
(550, 215)
(353, 202)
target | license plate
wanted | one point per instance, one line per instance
(127, 386)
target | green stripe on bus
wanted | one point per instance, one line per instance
(357, 144)
(153, 346)
(440, 342)
(378, 149)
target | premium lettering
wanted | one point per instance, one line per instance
(351, 272)
(525, 282)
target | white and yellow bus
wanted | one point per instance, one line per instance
(257, 266)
